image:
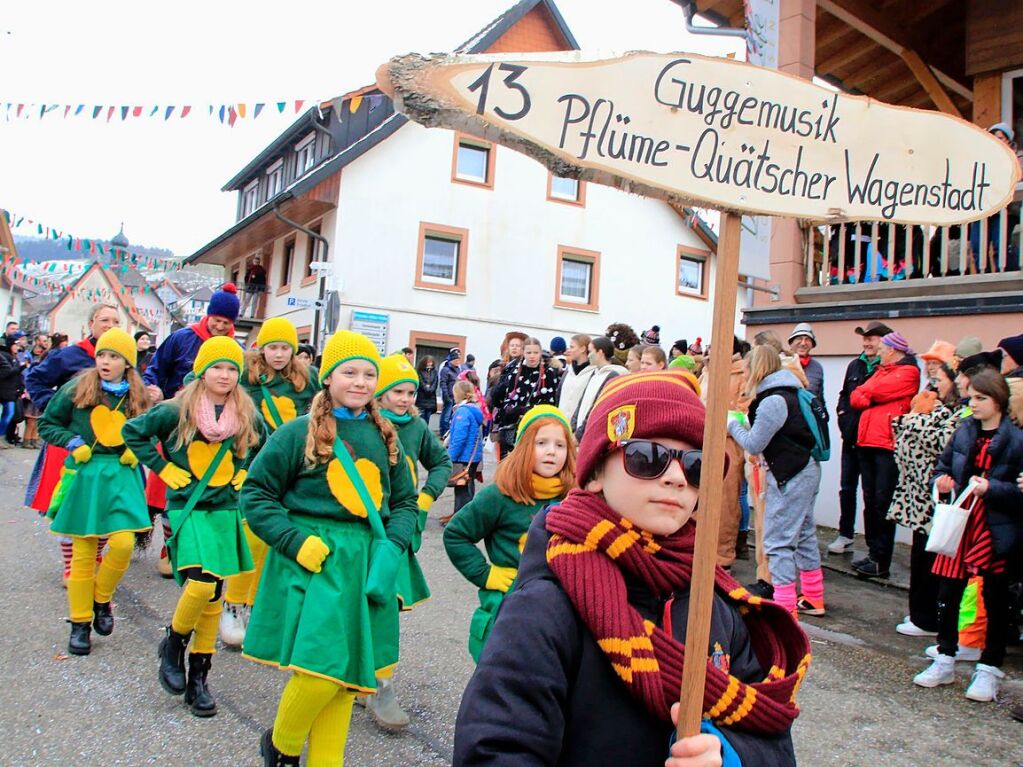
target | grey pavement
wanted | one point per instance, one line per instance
(859, 705)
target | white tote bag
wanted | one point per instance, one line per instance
(950, 522)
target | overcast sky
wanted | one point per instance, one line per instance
(163, 180)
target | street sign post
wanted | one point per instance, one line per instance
(716, 133)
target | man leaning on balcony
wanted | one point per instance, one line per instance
(882, 397)
(255, 286)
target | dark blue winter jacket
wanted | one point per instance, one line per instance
(1003, 501)
(545, 694)
(173, 361)
(59, 367)
(448, 376)
(465, 443)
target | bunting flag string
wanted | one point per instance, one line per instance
(91, 246)
(226, 113)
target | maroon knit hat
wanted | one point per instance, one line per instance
(662, 403)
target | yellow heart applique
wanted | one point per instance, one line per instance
(343, 489)
(106, 425)
(285, 409)
(412, 470)
(200, 456)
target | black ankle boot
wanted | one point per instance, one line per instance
(102, 618)
(172, 661)
(80, 642)
(271, 756)
(197, 694)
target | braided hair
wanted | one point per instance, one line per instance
(319, 443)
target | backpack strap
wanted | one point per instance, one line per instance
(372, 512)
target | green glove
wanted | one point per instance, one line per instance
(738, 417)
(382, 580)
(417, 534)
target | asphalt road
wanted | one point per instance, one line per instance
(859, 705)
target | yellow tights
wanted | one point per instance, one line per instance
(87, 584)
(318, 710)
(199, 611)
(241, 588)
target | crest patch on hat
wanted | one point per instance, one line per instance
(621, 422)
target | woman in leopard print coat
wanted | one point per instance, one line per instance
(920, 437)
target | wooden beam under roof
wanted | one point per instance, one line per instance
(926, 78)
(830, 30)
(846, 55)
(870, 74)
(865, 19)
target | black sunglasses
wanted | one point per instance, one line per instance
(646, 459)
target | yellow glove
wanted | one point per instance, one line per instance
(312, 554)
(82, 454)
(175, 477)
(128, 458)
(239, 479)
(424, 501)
(501, 578)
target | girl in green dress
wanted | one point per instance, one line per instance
(396, 395)
(282, 387)
(100, 493)
(539, 471)
(332, 495)
(209, 433)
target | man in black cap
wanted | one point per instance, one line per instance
(859, 370)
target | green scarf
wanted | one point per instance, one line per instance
(395, 418)
(871, 363)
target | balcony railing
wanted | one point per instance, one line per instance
(866, 253)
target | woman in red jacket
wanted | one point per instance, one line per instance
(885, 395)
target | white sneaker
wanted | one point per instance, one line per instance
(840, 545)
(941, 671)
(232, 625)
(984, 685)
(963, 655)
(910, 629)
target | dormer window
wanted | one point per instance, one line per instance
(306, 153)
(250, 197)
(274, 179)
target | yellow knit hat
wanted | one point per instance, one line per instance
(536, 413)
(347, 345)
(218, 349)
(278, 330)
(396, 370)
(119, 342)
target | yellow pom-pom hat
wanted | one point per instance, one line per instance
(218, 349)
(538, 412)
(278, 330)
(347, 345)
(395, 370)
(119, 342)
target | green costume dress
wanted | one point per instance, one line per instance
(211, 537)
(288, 403)
(502, 525)
(101, 496)
(421, 447)
(322, 623)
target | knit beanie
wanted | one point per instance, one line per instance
(347, 345)
(682, 345)
(558, 345)
(278, 330)
(225, 303)
(395, 370)
(969, 346)
(119, 342)
(218, 349)
(1013, 346)
(895, 340)
(662, 403)
(536, 413)
(683, 361)
(652, 337)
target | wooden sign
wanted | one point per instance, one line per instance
(716, 133)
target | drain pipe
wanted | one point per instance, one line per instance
(318, 312)
(689, 9)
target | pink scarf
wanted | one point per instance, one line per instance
(212, 428)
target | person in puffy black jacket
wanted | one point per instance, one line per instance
(11, 385)
(426, 394)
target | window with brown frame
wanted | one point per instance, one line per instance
(311, 251)
(287, 261)
(441, 257)
(691, 272)
(577, 281)
(569, 191)
(473, 161)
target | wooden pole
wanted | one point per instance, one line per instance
(708, 517)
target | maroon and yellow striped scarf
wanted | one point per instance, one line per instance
(590, 548)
